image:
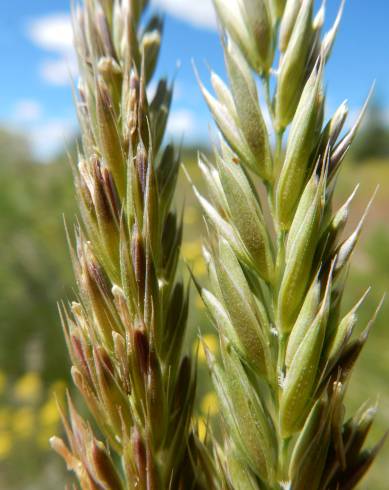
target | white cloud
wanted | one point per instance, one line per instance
(199, 13)
(27, 110)
(151, 90)
(53, 33)
(59, 71)
(182, 122)
(50, 136)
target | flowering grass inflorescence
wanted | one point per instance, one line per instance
(277, 271)
(125, 333)
(277, 281)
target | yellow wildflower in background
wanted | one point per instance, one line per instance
(201, 428)
(23, 422)
(210, 341)
(199, 303)
(28, 388)
(58, 389)
(191, 215)
(191, 250)
(49, 415)
(5, 417)
(199, 267)
(5, 444)
(210, 404)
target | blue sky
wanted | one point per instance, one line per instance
(36, 55)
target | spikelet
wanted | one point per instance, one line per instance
(275, 288)
(125, 333)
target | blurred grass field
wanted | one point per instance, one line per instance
(35, 272)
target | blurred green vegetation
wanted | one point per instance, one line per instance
(370, 268)
(35, 272)
(373, 138)
(35, 269)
